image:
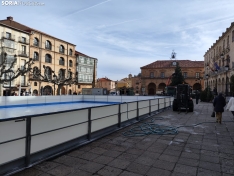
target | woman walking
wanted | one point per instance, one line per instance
(219, 103)
(230, 105)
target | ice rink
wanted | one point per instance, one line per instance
(7, 113)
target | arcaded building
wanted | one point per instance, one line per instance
(156, 76)
(52, 55)
(219, 61)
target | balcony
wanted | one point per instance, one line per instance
(48, 47)
(23, 53)
(9, 51)
(36, 58)
(7, 36)
(61, 51)
(23, 40)
(61, 63)
(36, 44)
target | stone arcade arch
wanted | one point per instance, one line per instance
(161, 86)
(151, 89)
(47, 90)
(197, 86)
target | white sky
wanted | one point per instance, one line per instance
(125, 35)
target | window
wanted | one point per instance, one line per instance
(61, 61)
(48, 58)
(81, 60)
(70, 52)
(70, 63)
(185, 74)
(223, 44)
(78, 86)
(23, 39)
(61, 49)
(22, 80)
(35, 72)
(36, 56)
(36, 42)
(151, 74)
(162, 75)
(233, 36)
(61, 74)
(228, 41)
(85, 61)
(23, 49)
(48, 73)
(22, 63)
(48, 45)
(8, 35)
(197, 75)
(35, 83)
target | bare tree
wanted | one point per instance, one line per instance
(8, 70)
(59, 80)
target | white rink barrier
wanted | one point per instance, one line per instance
(27, 140)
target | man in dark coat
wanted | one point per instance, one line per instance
(219, 103)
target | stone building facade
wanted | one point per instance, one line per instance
(105, 83)
(86, 70)
(219, 61)
(57, 58)
(14, 43)
(156, 76)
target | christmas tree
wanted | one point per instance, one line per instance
(177, 77)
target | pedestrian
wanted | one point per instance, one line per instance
(230, 105)
(197, 96)
(215, 91)
(219, 103)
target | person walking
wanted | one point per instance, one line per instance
(230, 105)
(219, 103)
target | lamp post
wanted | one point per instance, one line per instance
(54, 78)
(226, 69)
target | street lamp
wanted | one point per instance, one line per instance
(226, 69)
(54, 78)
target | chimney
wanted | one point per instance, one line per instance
(10, 18)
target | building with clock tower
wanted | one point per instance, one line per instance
(157, 75)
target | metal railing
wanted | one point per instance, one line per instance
(36, 58)
(36, 43)
(22, 40)
(48, 47)
(23, 53)
(61, 62)
(8, 36)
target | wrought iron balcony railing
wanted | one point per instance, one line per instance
(23, 53)
(8, 36)
(23, 40)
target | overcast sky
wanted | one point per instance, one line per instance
(125, 35)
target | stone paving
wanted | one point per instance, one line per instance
(203, 150)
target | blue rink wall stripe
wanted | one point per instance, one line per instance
(54, 103)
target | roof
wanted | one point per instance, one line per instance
(168, 63)
(81, 54)
(104, 79)
(5, 25)
(12, 23)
